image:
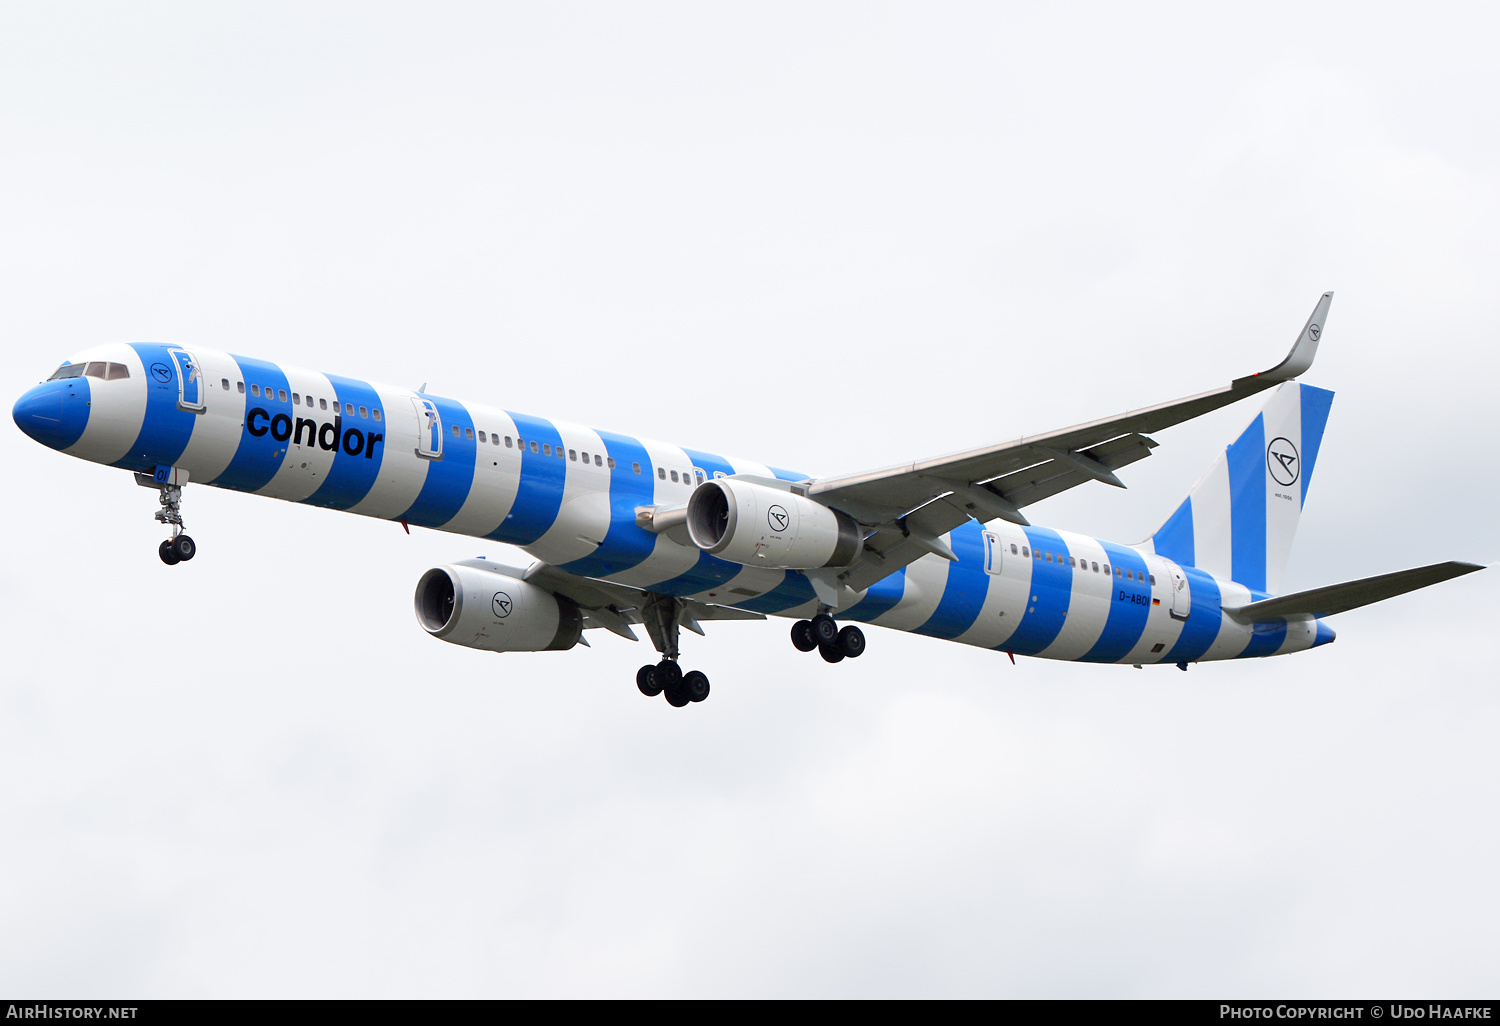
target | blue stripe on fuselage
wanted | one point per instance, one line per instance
(1051, 593)
(881, 597)
(967, 586)
(1247, 505)
(350, 478)
(794, 590)
(1265, 640)
(626, 544)
(1129, 606)
(1204, 618)
(540, 491)
(449, 479)
(166, 427)
(259, 454)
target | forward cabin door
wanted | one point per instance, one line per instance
(189, 381)
(429, 429)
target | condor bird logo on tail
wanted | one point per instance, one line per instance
(1282, 461)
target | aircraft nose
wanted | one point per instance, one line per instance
(47, 413)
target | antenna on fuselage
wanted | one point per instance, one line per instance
(423, 388)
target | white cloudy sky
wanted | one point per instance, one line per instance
(826, 236)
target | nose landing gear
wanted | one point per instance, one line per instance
(180, 547)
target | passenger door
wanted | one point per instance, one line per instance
(429, 429)
(189, 381)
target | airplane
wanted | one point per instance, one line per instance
(629, 532)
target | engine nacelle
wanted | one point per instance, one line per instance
(490, 610)
(758, 525)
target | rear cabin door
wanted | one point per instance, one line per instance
(1182, 595)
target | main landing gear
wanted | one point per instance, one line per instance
(663, 618)
(179, 547)
(822, 633)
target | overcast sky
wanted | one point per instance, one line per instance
(822, 236)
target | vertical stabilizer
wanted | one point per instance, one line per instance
(1239, 520)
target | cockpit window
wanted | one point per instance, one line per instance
(96, 369)
(69, 370)
(117, 372)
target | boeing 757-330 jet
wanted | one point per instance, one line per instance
(629, 532)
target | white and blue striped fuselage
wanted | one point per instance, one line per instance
(568, 495)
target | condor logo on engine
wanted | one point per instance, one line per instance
(778, 518)
(326, 436)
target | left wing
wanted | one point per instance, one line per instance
(616, 607)
(908, 508)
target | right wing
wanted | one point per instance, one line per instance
(907, 508)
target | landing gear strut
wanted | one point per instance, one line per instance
(180, 547)
(663, 619)
(822, 633)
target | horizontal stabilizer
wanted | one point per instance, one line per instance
(1336, 598)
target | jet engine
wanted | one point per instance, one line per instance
(487, 608)
(763, 526)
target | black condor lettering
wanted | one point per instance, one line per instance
(328, 435)
(354, 441)
(312, 431)
(250, 422)
(281, 427)
(371, 438)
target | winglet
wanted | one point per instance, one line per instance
(1302, 354)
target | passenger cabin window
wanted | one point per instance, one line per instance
(225, 384)
(534, 447)
(598, 462)
(322, 404)
(348, 409)
(1013, 550)
(661, 472)
(1117, 571)
(1096, 568)
(1070, 561)
(375, 414)
(558, 452)
(468, 432)
(255, 390)
(482, 437)
(281, 395)
(296, 398)
(674, 477)
(635, 467)
(240, 387)
(456, 431)
(698, 475)
(1025, 552)
(573, 455)
(364, 414)
(507, 441)
(1153, 579)
(546, 449)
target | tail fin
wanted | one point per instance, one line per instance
(1239, 519)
